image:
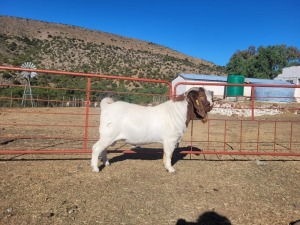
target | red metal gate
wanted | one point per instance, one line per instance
(247, 126)
(63, 126)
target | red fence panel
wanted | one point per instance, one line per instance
(246, 126)
(36, 125)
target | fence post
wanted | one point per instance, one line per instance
(87, 106)
(252, 102)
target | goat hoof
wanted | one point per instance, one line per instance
(96, 169)
(171, 170)
(107, 163)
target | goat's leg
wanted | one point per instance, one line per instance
(168, 152)
(164, 156)
(104, 158)
(99, 148)
(95, 155)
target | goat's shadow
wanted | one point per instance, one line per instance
(207, 218)
(141, 153)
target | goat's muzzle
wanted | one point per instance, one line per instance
(208, 106)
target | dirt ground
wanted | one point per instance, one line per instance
(136, 189)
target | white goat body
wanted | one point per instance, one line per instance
(136, 125)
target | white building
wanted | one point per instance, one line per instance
(219, 91)
(292, 75)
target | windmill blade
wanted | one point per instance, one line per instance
(28, 74)
(33, 74)
(25, 74)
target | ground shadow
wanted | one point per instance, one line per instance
(140, 153)
(207, 218)
(297, 222)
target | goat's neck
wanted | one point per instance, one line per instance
(177, 114)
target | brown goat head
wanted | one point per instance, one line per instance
(199, 104)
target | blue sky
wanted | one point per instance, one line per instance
(211, 30)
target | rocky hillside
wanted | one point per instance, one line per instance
(69, 48)
(64, 47)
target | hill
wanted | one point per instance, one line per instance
(58, 46)
(70, 48)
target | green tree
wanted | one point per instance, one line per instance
(265, 62)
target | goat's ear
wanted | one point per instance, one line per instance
(190, 113)
(198, 98)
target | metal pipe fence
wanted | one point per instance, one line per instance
(55, 123)
(245, 125)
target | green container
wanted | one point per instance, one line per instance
(235, 90)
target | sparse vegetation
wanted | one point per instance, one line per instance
(57, 47)
(68, 48)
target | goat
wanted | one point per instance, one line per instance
(164, 123)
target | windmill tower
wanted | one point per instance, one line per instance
(27, 94)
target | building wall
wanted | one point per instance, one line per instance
(292, 75)
(181, 88)
(219, 91)
(247, 91)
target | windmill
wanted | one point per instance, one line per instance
(27, 75)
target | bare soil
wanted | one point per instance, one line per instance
(136, 189)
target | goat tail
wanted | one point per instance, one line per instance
(106, 101)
